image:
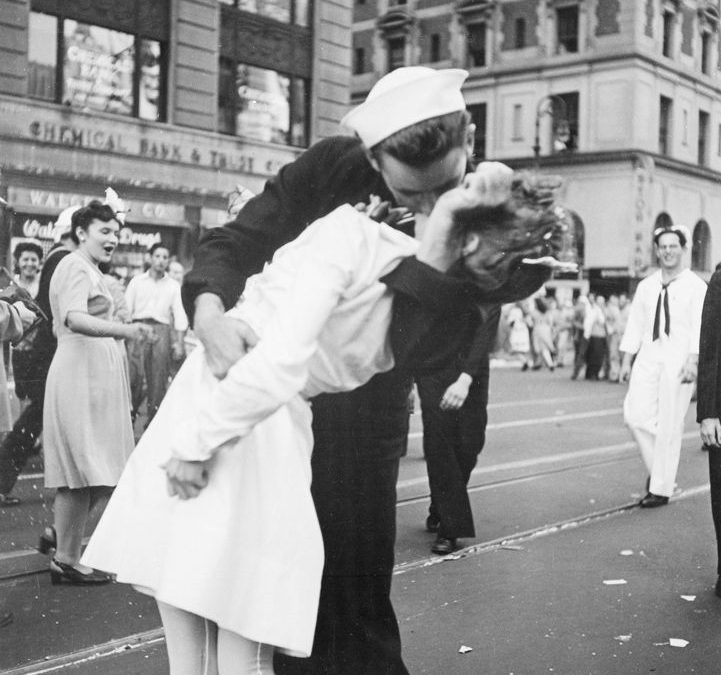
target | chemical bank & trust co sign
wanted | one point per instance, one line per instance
(47, 124)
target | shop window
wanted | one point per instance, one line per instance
(435, 48)
(476, 33)
(565, 122)
(396, 53)
(567, 30)
(703, 127)
(262, 104)
(478, 118)
(519, 33)
(664, 125)
(701, 247)
(285, 11)
(95, 68)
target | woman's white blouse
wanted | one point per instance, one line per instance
(322, 317)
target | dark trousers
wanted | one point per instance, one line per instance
(595, 353)
(359, 438)
(579, 351)
(19, 445)
(714, 470)
(452, 441)
(149, 364)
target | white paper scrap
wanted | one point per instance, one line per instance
(626, 551)
(614, 582)
(465, 650)
(622, 638)
(677, 642)
(689, 598)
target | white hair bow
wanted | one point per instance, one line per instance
(116, 204)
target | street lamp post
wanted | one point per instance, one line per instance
(545, 107)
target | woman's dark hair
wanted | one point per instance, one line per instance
(82, 218)
(30, 246)
(426, 141)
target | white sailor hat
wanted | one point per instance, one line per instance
(63, 222)
(405, 97)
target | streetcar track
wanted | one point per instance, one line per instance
(513, 542)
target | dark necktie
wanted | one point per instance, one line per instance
(662, 297)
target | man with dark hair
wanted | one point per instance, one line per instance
(663, 333)
(154, 299)
(360, 435)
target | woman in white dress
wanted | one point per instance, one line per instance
(236, 570)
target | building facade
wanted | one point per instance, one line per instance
(173, 103)
(622, 98)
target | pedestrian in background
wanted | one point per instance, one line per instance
(87, 431)
(518, 336)
(15, 317)
(21, 443)
(28, 257)
(154, 300)
(454, 402)
(708, 405)
(663, 333)
(594, 333)
(543, 343)
(580, 307)
(613, 338)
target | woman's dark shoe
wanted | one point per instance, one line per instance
(48, 540)
(62, 573)
(651, 501)
(444, 545)
(8, 500)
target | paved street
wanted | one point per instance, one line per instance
(553, 497)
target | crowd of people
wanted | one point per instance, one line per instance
(583, 333)
(258, 506)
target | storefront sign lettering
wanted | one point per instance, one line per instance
(32, 229)
(130, 144)
(127, 237)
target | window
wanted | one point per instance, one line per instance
(95, 68)
(42, 56)
(664, 125)
(519, 33)
(285, 11)
(705, 52)
(478, 117)
(684, 127)
(262, 104)
(701, 247)
(476, 44)
(668, 23)
(435, 48)
(517, 133)
(359, 61)
(567, 29)
(703, 125)
(396, 53)
(565, 122)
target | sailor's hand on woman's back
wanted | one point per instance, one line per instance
(225, 340)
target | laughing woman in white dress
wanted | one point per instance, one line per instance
(236, 570)
(87, 434)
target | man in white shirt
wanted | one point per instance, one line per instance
(154, 299)
(663, 332)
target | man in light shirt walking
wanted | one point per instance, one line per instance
(154, 298)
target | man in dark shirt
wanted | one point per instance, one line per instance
(415, 143)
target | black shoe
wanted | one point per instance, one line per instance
(8, 500)
(48, 540)
(444, 545)
(432, 523)
(524, 367)
(651, 501)
(717, 590)
(63, 573)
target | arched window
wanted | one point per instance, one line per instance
(574, 241)
(701, 247)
